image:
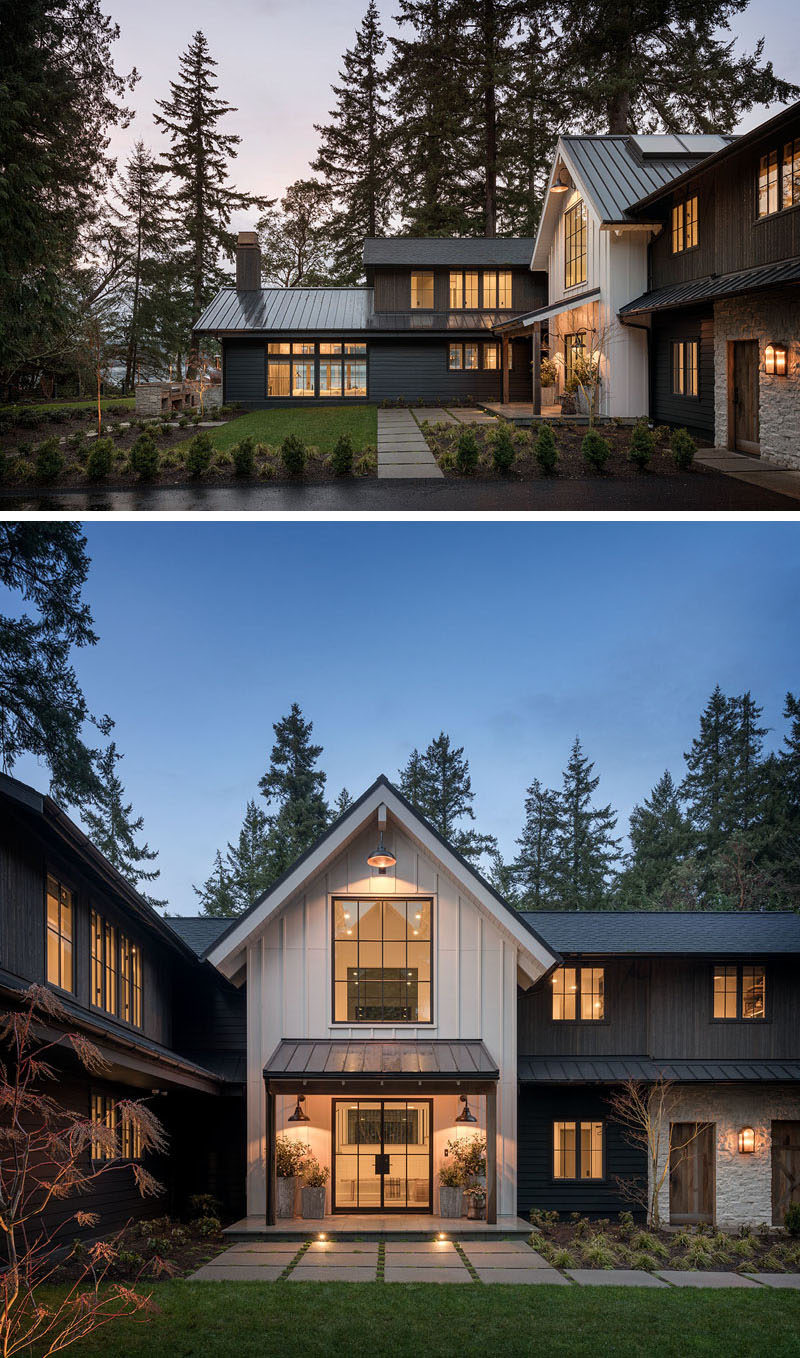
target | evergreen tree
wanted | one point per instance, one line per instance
(534, 870)
(748, 780)
(707, 787)
(354, 155)
(586, 852)
(198, 161)
(439, 785)
(662, 65)
(295, 788)
(488, 27)
(250, 861)
(790, 758)
(217, 894)
(141, 213)
(294, 240)
(343, 802)
(660, 839)
(411, 779)
(530, 127)
(112, 826)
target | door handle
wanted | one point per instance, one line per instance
(381, 1164)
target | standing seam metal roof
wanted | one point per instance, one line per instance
(313, 1059)
(616, 175)
(603, 1070)
(704, 289)
(288, 309)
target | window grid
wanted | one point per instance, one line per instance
(677, 228)
(739, 991)
(578, 992)
(768, 185)
(421, 290)
(103, 963)
(60, 926)
(685, 233)
(685, 368)
(577, 1150)
(327, 368)
(130, 976)
(382, 960)
(790, 183)
(130, 1138)
(467, 357)
(575, 245)
(104, 1113)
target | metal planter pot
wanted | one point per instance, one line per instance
(287, 1192)
(475, 1209)
(313, 1203)
(451, 1201)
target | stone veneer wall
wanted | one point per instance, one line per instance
(769, 316)
(743, 1182)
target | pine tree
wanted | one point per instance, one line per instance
(295, 788)
(586, 852)
(439, 785)
(534, 868)
(217, 894)
(665, 65)
(198, 161)
(411, 779)
(113, 828)
(747, 772)
(530, 127)
(343, 802)
(488, 27)
(355, 152)
(660, 840)
(294, 240)
(140, 210)
(251, 859)
(707, 787)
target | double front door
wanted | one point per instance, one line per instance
(382, 1155)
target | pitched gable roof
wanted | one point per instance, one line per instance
(654, 932)
(443, 251)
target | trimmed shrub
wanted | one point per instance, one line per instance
(683, 449)
(199, 454)
(49, 461)
(30, 418)
(144, 457)
(545, 449)
(642, 445)
(503, 450)
(596, 450)
(792, 1219)
(467, 452)
(101, 459)
(366, 464)
(244, 456)
(342, 456)
(77, 441)
(293, 455)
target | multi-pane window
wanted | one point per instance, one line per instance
(311, 368)
(60, 934)
(685, 376)
(491, 355)
(104, 1114)
(130, 981)
(467, 356)
(463, 290)
(104, 963)
(421, 290)
(303, 378)
(497, 289)
(769, 185)
(382, 961)
(575, 245)
(739, 991)
(684, 226)
(790, 176)
(578, 993)
(577, 1150)
(130, 1138)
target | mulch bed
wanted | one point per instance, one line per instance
(443, 439)
(156, 1248)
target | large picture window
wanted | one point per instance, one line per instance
(382, 961)
(575, 245)
(577, 1150)
(740, 991)
(60, 935)
(578, 993)
(307, 368)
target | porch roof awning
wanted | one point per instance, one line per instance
(600, 1070)
(714, 288)
(519, 324)
(342, 1061)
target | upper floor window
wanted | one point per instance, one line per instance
(790, 176)
(422, 290)
(104, 963)
(130, 981)
(575, 244)
(382, 961)
(579, 993)
(739, 991)
(779, 179)
(685, 377)
(577, 1150)
(497, 289)
(463, 289)
(60, 935)
(684, 226)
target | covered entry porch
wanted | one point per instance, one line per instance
(380, 1116)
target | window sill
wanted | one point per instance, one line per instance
(770, 216)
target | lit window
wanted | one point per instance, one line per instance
(470, 356)
(471, 290)
(575, 245)
(355, 377)
(768, 184)
(739, 991)
(130, 978)
(279, 378)
(565, 993)
(684, 226)
(303, 379)
(302, 346)
(355, 347)
(104, 963)
(490, 290)
(579, 992)
(60, 927)
(577, 1150)
(130, 1138)
(422, 290)
(685, 376)
(790, 187)
(691, 222)
(456, 291)
(491, 356)
(504, 290)
(725, 992)
(279, 347)
(104, 1113)
(455, 357)
(382, 961)
(592, 985)
(330, 377)
(330, 348)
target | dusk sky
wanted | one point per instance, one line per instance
(278, 58)
(512, 637)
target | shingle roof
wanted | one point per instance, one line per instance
(609, 1070)
(289, 309)
(446, 250)
(198, 931)
(616, 171)
(703, 289)
(625, 932)
(367, 1058)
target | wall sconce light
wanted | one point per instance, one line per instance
(775, 359)
(747, 1141)
(559, 184)
(298, 1115)
(466, 1114)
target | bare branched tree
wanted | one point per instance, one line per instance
(642, 1109)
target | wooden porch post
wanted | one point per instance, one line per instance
(271, 1185)
(504, 360)
(537, 367)
(491, 1156)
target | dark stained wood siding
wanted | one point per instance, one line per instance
(695, 413)
(624, 1031)
(244, 369)
(416, 369)
(539, 1108)
(681, 1014)
(393, 289)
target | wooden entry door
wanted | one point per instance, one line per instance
(691, 1172)
(785, 1168)
(743, 433)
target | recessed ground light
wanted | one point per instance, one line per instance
(441, 1236)
(322, 1236)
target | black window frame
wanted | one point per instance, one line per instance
(683, 344)
(315, 357)
(72, 988)
(740, 1017)
(570, 235)
(577, 1178)
(578, 968)
(362, 1022)
(414, 273)
(682, 248)
(461, 274)
(481, 345)
(102, 960)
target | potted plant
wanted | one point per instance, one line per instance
(548, 377)
(289, 1157)
(469, 1154)
(315, 1177)
(451, 1196)
(476, 1202)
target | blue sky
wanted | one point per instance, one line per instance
(513, 637)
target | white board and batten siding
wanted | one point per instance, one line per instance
(475, 962)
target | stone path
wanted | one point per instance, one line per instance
(444, 1261)
(751, 470)
(402, 450)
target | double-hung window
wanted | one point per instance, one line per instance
(382, 960)
(577, 1150)
(578, 994)
(575, 245)
(60, 930)
(740, 991)
(684, 368)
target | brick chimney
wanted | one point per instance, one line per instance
(248, 262)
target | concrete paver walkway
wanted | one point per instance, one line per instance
(751, 470)
(402, 450)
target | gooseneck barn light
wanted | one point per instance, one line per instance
(382, 858)
(466, 1114)
(298, 1115)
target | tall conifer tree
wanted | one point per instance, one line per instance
(487, 56)
(113, 827)
(294, 789)
(586, 851)
(534, 868)
(438, 783)
(217, 894)
(140, 210)
(660, 839)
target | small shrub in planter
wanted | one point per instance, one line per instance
(199, 454)
(100, 460)
(293, 455)
(642, 445)
(342, 456)
(451, 1195)
(315, 1177)
(49, 461)
(596, 450)
(467, 452)
(545, 450)
(503, 450)
(183, 422)
(792, 1219)
(166, 430)
(683, 449)
(144, 457)
(290, 1156)
(244, 456)
(475, 1199)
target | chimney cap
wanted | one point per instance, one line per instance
(247, 238)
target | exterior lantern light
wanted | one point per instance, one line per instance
(747, 1141)
(559, 184)
(298, 1115)
(382, 858)
(775, 359)
(466, 1114)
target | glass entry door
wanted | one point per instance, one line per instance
(382, 1155)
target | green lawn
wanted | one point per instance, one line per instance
(362, 1320)
(127, 401)
(317, 426)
